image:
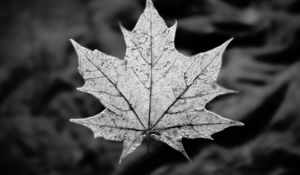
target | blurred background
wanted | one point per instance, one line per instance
(38, 80)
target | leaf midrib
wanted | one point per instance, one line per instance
(151, 67)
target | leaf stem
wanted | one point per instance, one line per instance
(148, 156)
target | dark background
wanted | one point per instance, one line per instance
(38, 80)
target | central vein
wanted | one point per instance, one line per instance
(151, 81)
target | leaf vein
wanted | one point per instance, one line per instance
(131, 108)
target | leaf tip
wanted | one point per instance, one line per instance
(77, 121)
(183, 152)
(226, 43)
(123, 29)
(74, 43)
(210, 138)
(78, 46)
(73, 120)
(221, 49)
(233, 91)
(230, 39)
(236, 123)
(187, 157)
(229, 91)
(240, 124)
(123, 155)
(149, 4)
(80, 89)
(174, 26)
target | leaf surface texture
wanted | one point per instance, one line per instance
(154, 90)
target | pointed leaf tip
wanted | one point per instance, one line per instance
(149, 4)
(124, 30)
(239, 123)
(174, 26)
(226, 43)
(236, 123)
(186, 156)
(74, 120)
(122, 27)
(73, 42)
(78, 46)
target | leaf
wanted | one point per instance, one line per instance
(154, 90)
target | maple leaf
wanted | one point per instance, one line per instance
(155, 90)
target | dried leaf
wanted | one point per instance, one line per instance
(154, 90)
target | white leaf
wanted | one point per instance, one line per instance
(154, 90)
